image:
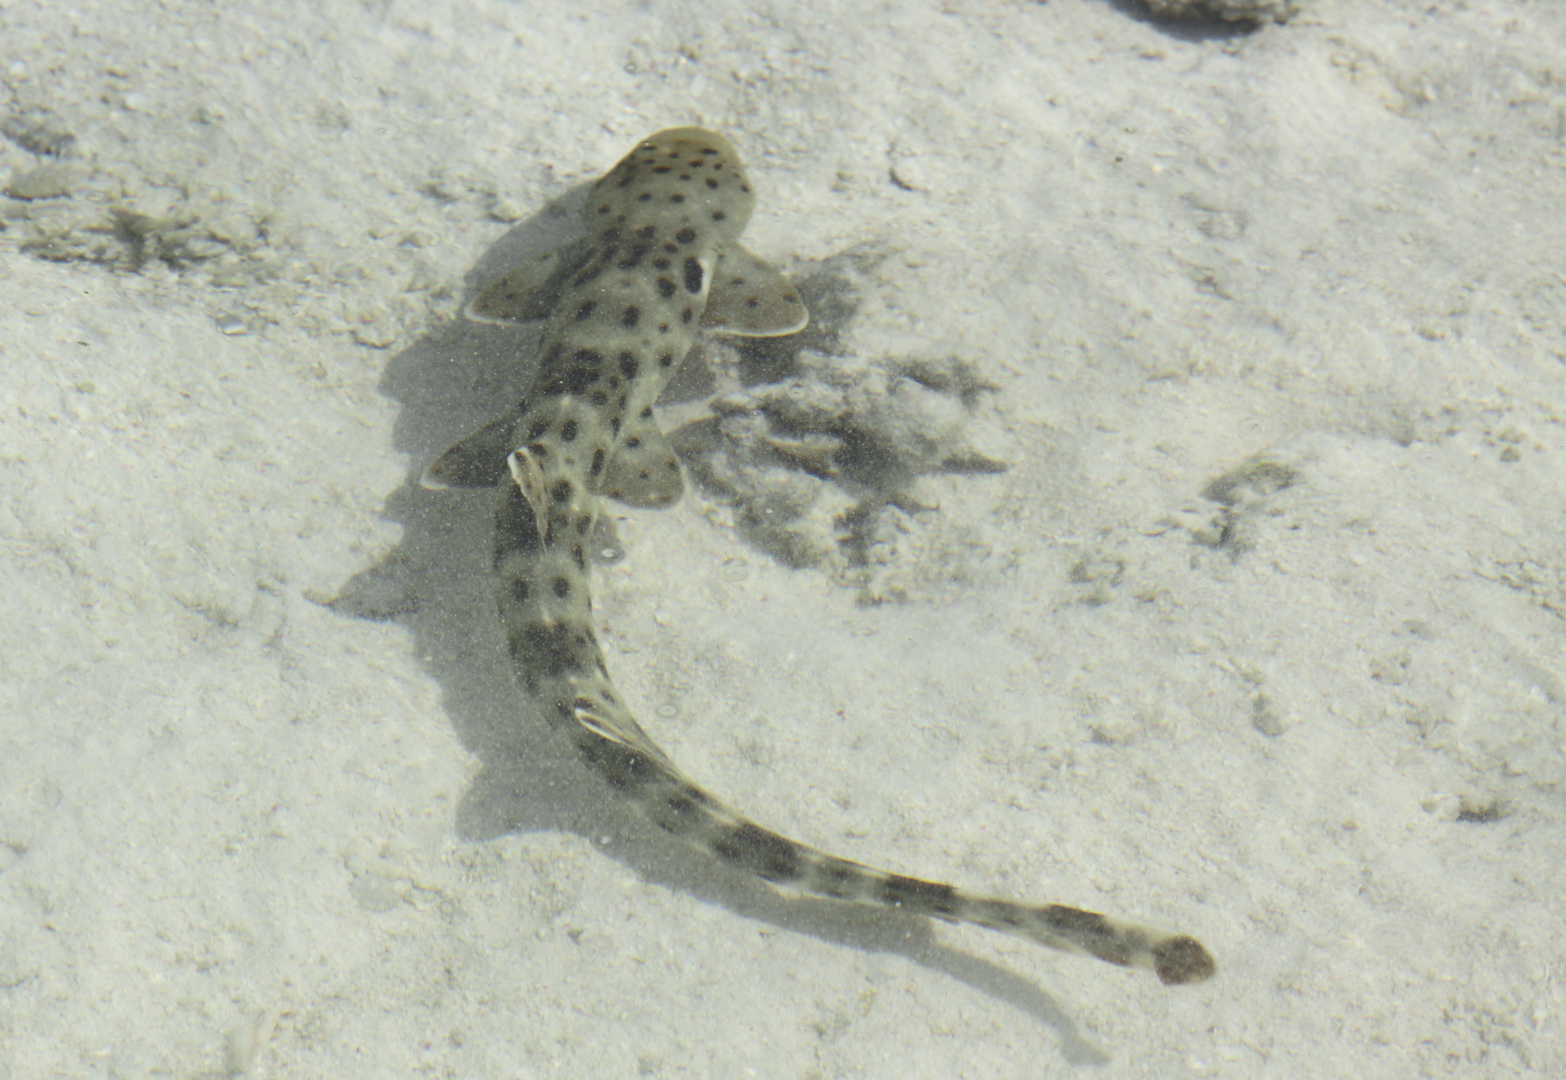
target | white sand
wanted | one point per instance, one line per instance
(240, 831)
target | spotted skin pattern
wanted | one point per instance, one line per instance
(623, 307)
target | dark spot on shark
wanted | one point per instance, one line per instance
(585, 310)
(547, 649)
(629, 365)
(836, 879)
(562, 587)
(762, 852)
(568, 431)
(666, 288)
(924, 897)
(624, 769)
(693, 276)
(1092, 932)
(592, 272)
(687, 812)
(630, 316)
(576, 379)
(686, 235)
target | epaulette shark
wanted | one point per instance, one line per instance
(660, 262)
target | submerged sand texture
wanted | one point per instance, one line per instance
(1259, 637)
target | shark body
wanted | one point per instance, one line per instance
(661, 260)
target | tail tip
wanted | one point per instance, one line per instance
(1181, 960)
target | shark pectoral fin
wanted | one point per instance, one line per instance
(530, 479)
(531, 290)
(752, 298)
(474, 461)
(644, 471)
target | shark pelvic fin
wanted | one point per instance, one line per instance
(751, 298)
(644, 471)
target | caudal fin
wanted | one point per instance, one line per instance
(672, 802)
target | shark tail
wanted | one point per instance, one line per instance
(675, 804)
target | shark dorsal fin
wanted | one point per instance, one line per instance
(529, 478)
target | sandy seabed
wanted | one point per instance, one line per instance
(1259, 636)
